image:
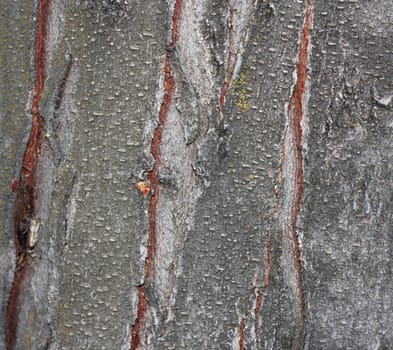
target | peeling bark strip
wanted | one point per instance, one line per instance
(169, 89)
(25, 215)
(294, 154)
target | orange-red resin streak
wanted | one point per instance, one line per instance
(27, 183)
(169, 89)
(295, 114)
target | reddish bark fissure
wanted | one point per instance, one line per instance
(242, 327)
(232, 58)
(27, 184)
(265, 282)
(11, 325)
(63, 83)
(295, 114)
(136, 327)
(169, 89)
(257, 311)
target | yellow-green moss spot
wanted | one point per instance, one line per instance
(60, 313)
(26, 332)
(240, 91)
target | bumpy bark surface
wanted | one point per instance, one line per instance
(196, 174)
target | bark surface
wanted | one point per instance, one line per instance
(196, 174)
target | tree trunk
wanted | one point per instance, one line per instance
(196, 174)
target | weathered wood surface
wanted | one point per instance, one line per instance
(211, 174)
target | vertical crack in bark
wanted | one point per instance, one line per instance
(53, 125)
(242, 327)
(257, 311)
(63, 83)
(293, 157)
(169, 89)
(232, 58)
(136, 327)
(291, 174)
(260, 296)
(13, 308)
(266, 274)
(239, 14)
(26, 223)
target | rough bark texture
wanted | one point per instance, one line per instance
(196, 174)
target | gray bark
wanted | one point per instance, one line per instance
(224, 273)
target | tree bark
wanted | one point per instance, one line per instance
(196, 174)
